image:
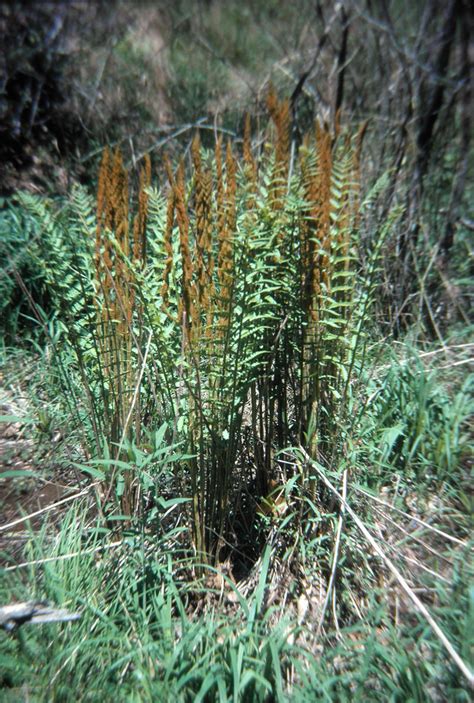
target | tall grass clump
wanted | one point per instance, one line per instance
(417, 423)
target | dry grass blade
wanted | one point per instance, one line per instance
(413, 537)
(62, 557)
(442, 533)
(47, 509)
(335, 555)
(420, 607)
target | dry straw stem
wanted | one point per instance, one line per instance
(420, 607)
(331, 589)
(62, 557)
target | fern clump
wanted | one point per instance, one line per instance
(225, 307)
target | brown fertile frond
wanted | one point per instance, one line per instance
(182, 218)
(283, 135)
(118, 212)
(119, 200)
(201, 208)
(103, 260)
(316, 172)
(139, 229)
(170, 215)
(231, 188)
(168, 242)
(112, 274)
(196, 152)
(103, 180)
(323, 144)
(226, 224)
(272, 100)
(203, 244)
(281, 116)
(112, 215)
(180, 192)
(147, 169)
(109, 197)
(102, 191)
(220, 206)
(221, 217)
(206, 284)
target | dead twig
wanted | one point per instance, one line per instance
(34, 612)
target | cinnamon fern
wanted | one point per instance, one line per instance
(228, 306)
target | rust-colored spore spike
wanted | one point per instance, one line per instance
(281, 117)
(139, 229)
(115, 282)
(231, 190)
(188, 306)
(202, 215)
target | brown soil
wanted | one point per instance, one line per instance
(26, 492)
